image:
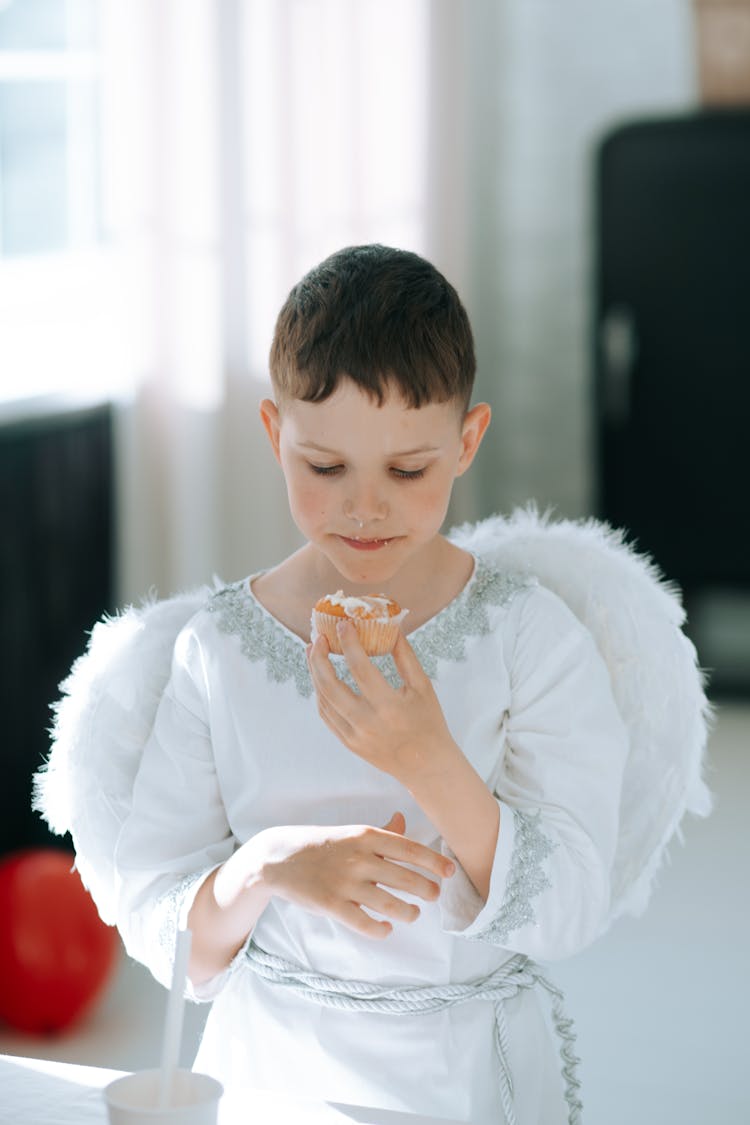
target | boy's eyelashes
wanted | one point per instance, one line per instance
(408, 474)
(334, 470)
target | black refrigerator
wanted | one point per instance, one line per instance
(671, 334)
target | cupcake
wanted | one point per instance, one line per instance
(375, 617)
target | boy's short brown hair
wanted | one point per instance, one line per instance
(384, 318)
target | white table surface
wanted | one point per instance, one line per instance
(41, 1092)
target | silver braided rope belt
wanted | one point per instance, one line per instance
(507, 981)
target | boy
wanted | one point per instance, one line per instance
(391, 837)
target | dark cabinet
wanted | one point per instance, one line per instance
(55, 581)
(672, 343)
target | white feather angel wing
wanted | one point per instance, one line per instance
(635, 619)
(102, 722)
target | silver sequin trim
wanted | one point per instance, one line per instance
(442, 638)
(261, 636)
(169, 907)
(526, 879)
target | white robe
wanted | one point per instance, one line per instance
(238, 746)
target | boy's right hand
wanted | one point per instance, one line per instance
(338, 871)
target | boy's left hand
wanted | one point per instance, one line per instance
(401, 731)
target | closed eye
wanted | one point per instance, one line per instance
(326, 470)
(408, 474)
(334, 470)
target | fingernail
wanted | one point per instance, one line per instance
(450, 868)
(341, 627)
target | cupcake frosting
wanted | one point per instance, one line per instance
(372, 604)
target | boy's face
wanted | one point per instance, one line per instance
(369, 485)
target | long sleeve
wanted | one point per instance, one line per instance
(177, 831)
(558, 785)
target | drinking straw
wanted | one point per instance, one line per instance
(170, 1051)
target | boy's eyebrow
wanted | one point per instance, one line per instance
(403, 453)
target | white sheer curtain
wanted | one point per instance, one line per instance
(250, 138)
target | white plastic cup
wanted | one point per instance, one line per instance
(134, 1099)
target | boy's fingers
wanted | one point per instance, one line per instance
(366, 676)
(335, 721)
(407, 662)
(317, 658)
(341, 711)
(355, 918)
(396, 824)
(400, 878)
(328, 686)
(325, 681)
(403, 850)
(391, 906)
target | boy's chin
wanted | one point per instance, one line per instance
(361, 566)
(375, 569)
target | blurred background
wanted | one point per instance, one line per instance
(579, 169)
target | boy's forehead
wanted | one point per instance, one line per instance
(349, 402)
(353, 414)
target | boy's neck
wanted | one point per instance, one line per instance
(430, 582)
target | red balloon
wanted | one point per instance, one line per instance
(56, 954)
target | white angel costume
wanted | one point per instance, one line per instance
(566, 681)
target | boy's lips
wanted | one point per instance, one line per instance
(360, 543)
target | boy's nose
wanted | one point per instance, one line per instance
(365, 508)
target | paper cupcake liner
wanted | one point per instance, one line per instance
(376, 637)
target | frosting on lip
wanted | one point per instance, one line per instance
(365, 544)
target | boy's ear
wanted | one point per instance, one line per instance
(472, 431)
(271, 419)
